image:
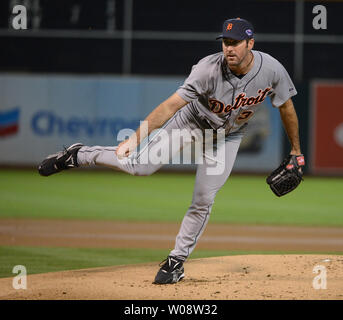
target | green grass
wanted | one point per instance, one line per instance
(41, 260)
(83, 194)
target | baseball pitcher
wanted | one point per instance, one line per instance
(221, 94)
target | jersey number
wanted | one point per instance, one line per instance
(244, 116)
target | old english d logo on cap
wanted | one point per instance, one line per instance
(237, 29)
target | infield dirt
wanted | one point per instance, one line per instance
(288, 276)
(229, 278)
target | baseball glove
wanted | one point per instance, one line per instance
(287, 176)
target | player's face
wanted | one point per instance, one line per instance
(236, 51)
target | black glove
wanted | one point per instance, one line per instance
(287, 176)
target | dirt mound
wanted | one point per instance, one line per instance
(233, 277)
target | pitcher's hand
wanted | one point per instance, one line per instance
(126, 147)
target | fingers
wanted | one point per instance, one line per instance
(122, 151)
(125, 148)
(118, 150)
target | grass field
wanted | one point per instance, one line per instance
(41, 260)
(165, 197)
(160, 197)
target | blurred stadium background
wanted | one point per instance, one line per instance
(84, 69)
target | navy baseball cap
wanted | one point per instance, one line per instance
(237, 29)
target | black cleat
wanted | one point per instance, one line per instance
(59, 161)
(171, 271)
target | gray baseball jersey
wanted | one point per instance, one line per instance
(219, 99)
(226, 101)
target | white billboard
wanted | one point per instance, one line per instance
(39, 114)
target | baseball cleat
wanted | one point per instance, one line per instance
(171, 271)
(59, 161)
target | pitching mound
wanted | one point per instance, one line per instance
(233, 277)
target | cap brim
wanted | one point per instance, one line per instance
(231, 37)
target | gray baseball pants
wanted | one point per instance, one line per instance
(206, 186)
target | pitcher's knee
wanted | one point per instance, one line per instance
(142, 170)
(201, 207)
(203, 200)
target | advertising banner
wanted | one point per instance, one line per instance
(327, 128)
(40, 114)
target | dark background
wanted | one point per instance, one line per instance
(168, 37)
(162, 56)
